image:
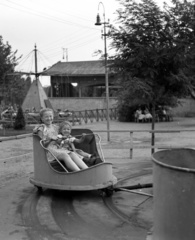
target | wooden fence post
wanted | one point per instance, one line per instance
(97, 115)
(131, 145)
(85, 116)
(73, 123)
(102, 115)
(91, 115)
(80, 118)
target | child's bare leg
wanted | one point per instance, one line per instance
(79, 162)
(68, 162)
(86, 155)
(82, 153)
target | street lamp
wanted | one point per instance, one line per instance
(99, 23)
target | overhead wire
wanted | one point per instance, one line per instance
(70, 44)
(40, 14)
(69, 36)
(84, 43)
(68, 39)
(30, 64)
(77, 46)
(60, 11)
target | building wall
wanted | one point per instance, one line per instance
(79, 104)
(186, 109)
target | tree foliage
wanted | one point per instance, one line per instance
(11, 86)
(16, 89)
(183, 22)
(154, 51)
(8, 59)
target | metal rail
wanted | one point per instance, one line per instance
(125, 145)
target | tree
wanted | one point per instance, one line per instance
(20, 120)
(8, 61)
(152, 52)
(17, 88)
(182, 17)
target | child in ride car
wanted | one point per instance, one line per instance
(66, 141)
(48, 132)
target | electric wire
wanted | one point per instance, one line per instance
(70, 49)
(26, 9)
(69, 36)
(70, 44)
(59, 11)
(30, 66)
(68, 41)
(73, 47)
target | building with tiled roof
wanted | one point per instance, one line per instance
(80, 68)
(78, 79)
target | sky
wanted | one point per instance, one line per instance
(62, 30)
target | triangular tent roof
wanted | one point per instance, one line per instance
(36, 97)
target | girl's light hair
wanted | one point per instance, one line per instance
(44, 110)
(65, 123)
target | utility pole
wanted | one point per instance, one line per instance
(65, 50)
(36, 67)
(99, 23)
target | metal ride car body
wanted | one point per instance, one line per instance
(51, 175)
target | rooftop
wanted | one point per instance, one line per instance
(77, 68)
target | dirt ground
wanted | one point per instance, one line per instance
(16, 162)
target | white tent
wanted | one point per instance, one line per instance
(36, 97)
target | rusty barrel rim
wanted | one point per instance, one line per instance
(189, 170)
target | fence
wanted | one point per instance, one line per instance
(130, 143)
(76, 117)
(92, 115)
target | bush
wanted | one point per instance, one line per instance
(126, 113)
(20, 120)
(8, 125)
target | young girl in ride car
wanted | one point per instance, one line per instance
(66, 142)
(49, 133)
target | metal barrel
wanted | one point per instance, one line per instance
(174, 194)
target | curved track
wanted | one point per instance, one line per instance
(87, 215)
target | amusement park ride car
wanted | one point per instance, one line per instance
(54, 175)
